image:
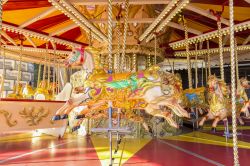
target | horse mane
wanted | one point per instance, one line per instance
(88, 64)
(223, 87)
(221, 84)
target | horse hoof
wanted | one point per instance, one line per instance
(151, 132)
(204, 114)
(213, 130)
(56, 117)
(242, 124)
(162, 133)
(80, 116)
(65, 116)
(199, 128)
(75, 128)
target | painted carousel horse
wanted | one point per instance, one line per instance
(42, 93)
(217, 100)
(17, 92)
(242, 101)
(28, 92)
(100, 87)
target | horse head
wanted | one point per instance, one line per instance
(244, 82)
(212, 83)
(75, 58)
(81, 57)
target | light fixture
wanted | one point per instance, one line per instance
(211, 50)
(40, 36)
(66, 8)
(210, 35)
(169, 7)
(39, 50)
(164, 23)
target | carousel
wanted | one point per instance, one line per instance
(124, 82)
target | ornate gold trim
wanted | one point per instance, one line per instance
(34, 115)
(8, 120)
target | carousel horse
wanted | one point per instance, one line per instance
(42, 93)
(65, 94)
(52, 88)
(17, 92)
(220, 103)
(28, 92)
(242, 101)
(100, 87)
(218, 100)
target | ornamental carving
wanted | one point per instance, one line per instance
(8, 120)
(34, 115)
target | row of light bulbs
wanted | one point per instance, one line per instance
(179, 7)
(170, 5)
(36, 35)
(210, 35)
(83, 19)
(78, 18)
(38, 50)
(211, 51)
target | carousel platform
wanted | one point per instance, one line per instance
(193, 148)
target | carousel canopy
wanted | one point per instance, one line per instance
(65, 24)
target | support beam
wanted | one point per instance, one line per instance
(205, 13)
(132, 2)
(70, 11)
(130, 20)
(159, 18)
(4, 42)
(31, 41)
(170, 16)
(65, 29)
(180, 27)
(246, 40)
(4, 34)
(37, 35)
(53, 45)
(226, 38)
(38, 17)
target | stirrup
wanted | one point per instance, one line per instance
(56, 117)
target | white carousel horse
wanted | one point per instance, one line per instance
(65, 94)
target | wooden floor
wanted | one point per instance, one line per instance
(194, 148)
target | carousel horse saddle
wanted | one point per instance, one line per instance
(65, 94)
(192, 96)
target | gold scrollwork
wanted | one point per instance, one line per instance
(34, 115)
(8, 120)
